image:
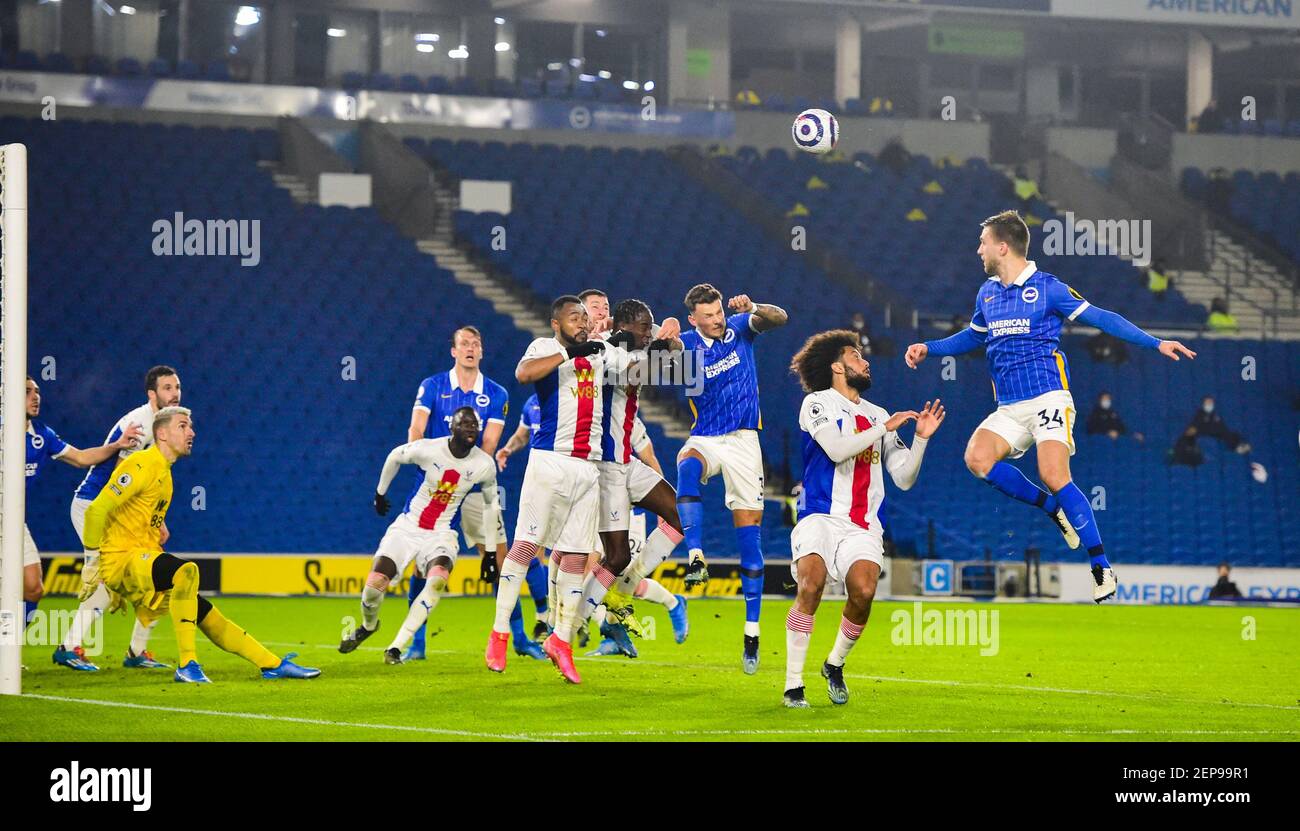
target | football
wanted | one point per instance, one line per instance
(815, 131)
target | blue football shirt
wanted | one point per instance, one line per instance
(729, 400)
(1023, 325)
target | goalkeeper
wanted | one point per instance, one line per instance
(123, 523)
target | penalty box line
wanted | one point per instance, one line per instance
(401, 728)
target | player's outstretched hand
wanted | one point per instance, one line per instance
(487, 569)
(670, 328)
(741, 303)
(915, 354)
(130, 437)
(1172, 349)
(900, 418)
(381, 504)
(930, 419)
(585, 349)
(502, 455)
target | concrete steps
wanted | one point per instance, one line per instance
(301, 192)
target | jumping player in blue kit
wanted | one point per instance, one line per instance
(438, 398)
(1019, 312)
(724, 439)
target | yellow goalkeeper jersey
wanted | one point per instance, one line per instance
(128, 514)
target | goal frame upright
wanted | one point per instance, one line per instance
(13, 411)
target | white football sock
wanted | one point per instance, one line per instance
(87, 612)
(425, 602)
(140, 636)
(844, 641)
(569, 588)
(594, 589)
(657, 548)
(798, 632)
(509, 584)
(653, 591)
(371, 597)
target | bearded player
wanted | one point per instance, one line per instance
(560, 499)
(848, 443)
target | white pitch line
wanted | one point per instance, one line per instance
(932, 681)
(578, 734)
(290, 719)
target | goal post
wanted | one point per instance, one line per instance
(13, 409)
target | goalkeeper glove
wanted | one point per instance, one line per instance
(381, 504)
(487, 571)
(584, 349)
(89, 577)
(116, 603)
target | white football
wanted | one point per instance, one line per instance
(815, 131)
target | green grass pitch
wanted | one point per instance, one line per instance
(1060, 673)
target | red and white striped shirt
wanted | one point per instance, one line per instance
(447, 480)
(572, 399)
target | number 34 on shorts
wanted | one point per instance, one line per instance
(1048, 417)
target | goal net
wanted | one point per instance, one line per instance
(13, 406)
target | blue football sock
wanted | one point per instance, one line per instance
(517, 623)
(416, 586)
(29, 606)
(538, 586)
(1009, 480)
(1078, 510)
(750, 538)
(689, 506)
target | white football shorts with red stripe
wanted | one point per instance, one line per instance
(559, 502)
(838, 541)
(405, 542)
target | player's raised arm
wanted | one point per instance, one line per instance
(765, 316)
(903, 462)
(92, 456)
(1070, 305)
(838, 446)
